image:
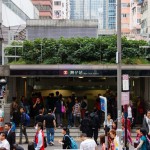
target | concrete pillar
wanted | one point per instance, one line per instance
(147, 92)
(7, 113)
(11, 86)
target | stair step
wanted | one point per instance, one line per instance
(74, 132)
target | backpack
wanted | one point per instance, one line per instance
(27, 117)
(85, 125)
(93, 120)
(74, 145)
(83, 104)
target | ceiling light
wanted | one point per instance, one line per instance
(80, 77)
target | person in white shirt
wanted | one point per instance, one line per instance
(130, 112)
(109, 123)
(3, 142)
(87, 143)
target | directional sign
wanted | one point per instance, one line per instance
(103, 103)
(125, 98)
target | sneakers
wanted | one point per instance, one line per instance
(51, 143)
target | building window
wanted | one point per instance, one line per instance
(57, 3)
(57, 13)
(139, 9)
(138, 20)
(124, 15)
(43, 7)
(138, 31)
(125, 5)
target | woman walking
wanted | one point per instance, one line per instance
(66, 143)
(143, 140)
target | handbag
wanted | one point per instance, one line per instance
(63, 109)
(45, 142)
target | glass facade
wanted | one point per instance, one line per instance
(103, 10)
(112, 14)
(84, 9)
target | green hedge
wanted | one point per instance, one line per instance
(78, 51)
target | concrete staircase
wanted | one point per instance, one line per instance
(74, 132)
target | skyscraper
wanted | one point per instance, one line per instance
(103, 10)
(84, 9)
(145, 19)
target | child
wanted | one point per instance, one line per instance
(138, 136)
(102, 141)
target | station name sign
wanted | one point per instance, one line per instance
(76, 72)
(80, 73)
(70, 73)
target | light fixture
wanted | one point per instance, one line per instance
(133, 83)
(81, 77)
(24, 77)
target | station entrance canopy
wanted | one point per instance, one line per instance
(78, 70)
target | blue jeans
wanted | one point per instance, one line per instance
(59, 119)
(70, 118)
(50, 135)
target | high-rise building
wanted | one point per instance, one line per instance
(103, 10)
(60, 9)
(85, 9)
(125, 17)
(44, 7)
(135, 22)
(145, 19)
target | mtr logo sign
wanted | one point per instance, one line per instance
(65, 72)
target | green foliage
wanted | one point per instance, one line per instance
(78, 51)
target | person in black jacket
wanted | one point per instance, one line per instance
(94, 125)
(85, 124)
(146, 123)
(40, 117)
(10, 136)
(66, 142)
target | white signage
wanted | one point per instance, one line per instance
(125, 82)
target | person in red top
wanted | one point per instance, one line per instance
(128, 123)
(39, 137)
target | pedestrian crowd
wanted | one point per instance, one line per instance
(54, 112)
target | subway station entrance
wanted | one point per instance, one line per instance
(80, 80)
(88, 80)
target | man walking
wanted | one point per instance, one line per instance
(50, 124)
(85, 124)
(11, 136)
(95, 125)
(87, 143)
(23, 124)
